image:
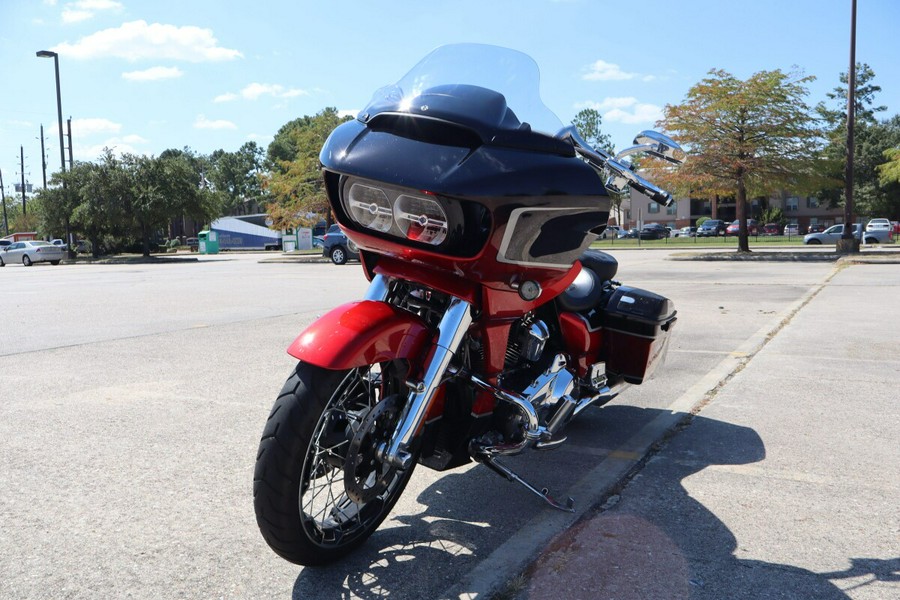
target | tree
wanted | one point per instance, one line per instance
(294, 180)
(745, 138)
(237, 176)
(889, 172)
(588, 122)
(867, 148)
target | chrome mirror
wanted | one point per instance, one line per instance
(656, 144)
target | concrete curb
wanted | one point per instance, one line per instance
(513, 557)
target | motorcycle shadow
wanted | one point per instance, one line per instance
(661, 536)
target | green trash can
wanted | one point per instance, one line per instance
(208, 242)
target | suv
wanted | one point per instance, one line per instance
(337, 247)
(711, 227)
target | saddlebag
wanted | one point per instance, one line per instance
(637, 325)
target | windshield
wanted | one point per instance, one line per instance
(478, 84)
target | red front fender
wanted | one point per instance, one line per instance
(361, 333)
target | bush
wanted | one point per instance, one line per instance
(702, 220)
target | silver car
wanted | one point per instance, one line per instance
(31, 252)
(830, 235)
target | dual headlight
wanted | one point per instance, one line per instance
(415, 217)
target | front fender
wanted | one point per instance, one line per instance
(361, 333)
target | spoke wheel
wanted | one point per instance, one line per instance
(319, 487)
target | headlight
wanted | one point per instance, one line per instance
(421, 219)
(399, 212)
(370, 207)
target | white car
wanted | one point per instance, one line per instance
(31, 252)
(879, 225)
(611, 232)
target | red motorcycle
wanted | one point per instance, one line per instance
(488, 323)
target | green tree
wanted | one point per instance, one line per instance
(889, 172)
(294, 179)
(237, 175)
(868, 143)
(745, 138)
(588, 122)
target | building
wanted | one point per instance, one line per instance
(803, 211)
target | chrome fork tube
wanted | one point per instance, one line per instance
(452, 328)
(378, 289)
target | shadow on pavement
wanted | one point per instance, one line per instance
(660, 542)
(657, 542)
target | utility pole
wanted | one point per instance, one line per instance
(3, 200)
(848, 243)
(43, 158)
(22, 168)
(70, 143)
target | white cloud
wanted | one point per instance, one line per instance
(624, 110)
(138, 40)
(153, 74)
(203, 123)
(603, 71)
(75, 16)
(84, 128)
(255, 91)
(348, 112)
(82, 10)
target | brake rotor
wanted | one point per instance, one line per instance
(365, 475)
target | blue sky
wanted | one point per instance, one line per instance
(146, 75)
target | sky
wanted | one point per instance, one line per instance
(142, 76)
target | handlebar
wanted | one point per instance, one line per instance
(621, 176)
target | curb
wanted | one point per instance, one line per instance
(513, 557)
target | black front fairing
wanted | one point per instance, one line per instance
(466, 143)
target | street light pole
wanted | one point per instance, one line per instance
(62, 152)
(848, 243)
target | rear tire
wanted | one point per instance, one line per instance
(54, 262)
(300, 485)
(26, 260)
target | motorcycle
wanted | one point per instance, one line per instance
(488, 324)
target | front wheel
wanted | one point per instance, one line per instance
(319, 488)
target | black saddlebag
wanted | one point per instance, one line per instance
(637, 325)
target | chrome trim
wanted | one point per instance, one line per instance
(452, 328)
(378, 289)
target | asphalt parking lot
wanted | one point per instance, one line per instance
(132, 398)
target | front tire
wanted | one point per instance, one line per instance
(311, 509)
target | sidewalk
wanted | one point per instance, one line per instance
(785, 485)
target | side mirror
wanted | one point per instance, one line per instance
(656, 144)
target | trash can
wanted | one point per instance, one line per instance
(208, 242)
(289, 244)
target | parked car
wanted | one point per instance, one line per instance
(192, 243)
(653, 231)
(711, 227)
(31, 252)
(61, 243)
(815, 228)
(611, 231)
(338, 247)
(879, 225)
(685, 232)
(4, 243)
(834, 233)
(734, 227)
(318, 241)
(770, 229)
(791, 229)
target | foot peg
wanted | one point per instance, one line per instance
(543, 493)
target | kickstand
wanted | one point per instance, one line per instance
(544, 493)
